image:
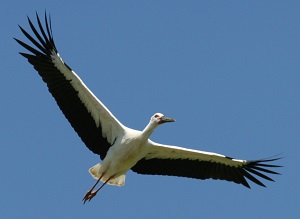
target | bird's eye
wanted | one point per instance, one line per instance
(155, 116)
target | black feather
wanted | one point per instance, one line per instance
(61, 88)
(199, 169)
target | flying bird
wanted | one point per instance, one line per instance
(122, 148)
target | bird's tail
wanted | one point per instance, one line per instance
(96, 172)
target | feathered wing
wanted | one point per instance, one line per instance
(177, 161)
(87, 115)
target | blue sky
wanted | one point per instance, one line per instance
(227, 71)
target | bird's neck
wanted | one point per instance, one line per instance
(148, 130)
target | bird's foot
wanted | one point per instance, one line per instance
(89, 195)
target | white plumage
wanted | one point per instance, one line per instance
(122, 148)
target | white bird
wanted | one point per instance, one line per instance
(122, 148)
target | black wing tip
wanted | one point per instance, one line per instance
(258, 168)
(265, 162)
(246, 185)
(45, 42)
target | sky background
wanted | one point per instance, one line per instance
(227, 71)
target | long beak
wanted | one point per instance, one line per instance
(164, 119)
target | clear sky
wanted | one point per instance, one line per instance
(227, 71)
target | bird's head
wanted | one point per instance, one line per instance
(156, 120)
(159, 118)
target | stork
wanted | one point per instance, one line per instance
(122, 148)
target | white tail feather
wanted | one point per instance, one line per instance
(96, 172)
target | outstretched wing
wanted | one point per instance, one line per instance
(93, 122)
(177, 161)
